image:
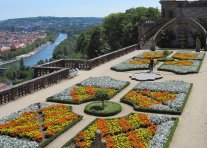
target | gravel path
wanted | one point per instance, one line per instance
(192, 127)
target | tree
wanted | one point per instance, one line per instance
(82, 42)
(118, 30)
(11, 72)
(153, 13)
(97, 45)
(40, 62)
(22, 66)
(101, 95)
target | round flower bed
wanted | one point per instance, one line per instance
(110, 108)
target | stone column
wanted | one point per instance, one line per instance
(140, 35)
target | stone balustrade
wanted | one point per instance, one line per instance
(55, 71)
(28, 87)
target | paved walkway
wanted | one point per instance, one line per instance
(192, 127)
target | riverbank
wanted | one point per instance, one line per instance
(17, 58)
(32, 52)
(45, 51)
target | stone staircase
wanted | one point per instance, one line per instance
(147, 44)
(182, 38)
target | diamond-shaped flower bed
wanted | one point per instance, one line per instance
(140, 62)
(86, 90)
(159, 97)
(36, 125)
(132, 131)
(186, 62)
(189, 55)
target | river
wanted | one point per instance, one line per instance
(42, 54)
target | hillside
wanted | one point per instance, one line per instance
(118, 30)
(54, 23)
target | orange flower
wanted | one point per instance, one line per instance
(180, 63)
(153, 129)
(124, 123)
(185, 56)
(133, 139)
(102, 126)
(110, 141)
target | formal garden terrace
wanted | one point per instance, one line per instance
(169, 112)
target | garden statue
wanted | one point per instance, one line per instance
(153, 44)
(98, 143)
(151, 65)
(141, 43)
(198, 45)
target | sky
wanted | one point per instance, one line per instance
(68, 8)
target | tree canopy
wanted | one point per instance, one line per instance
(118, 30)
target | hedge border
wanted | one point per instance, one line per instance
(159, 111)
(50, 99)
(103, 114)
(169, 139)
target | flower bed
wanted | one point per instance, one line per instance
(182, 66)
(86, 90)
(133, 130)
(140, 62)
(37, 125)
(160, 97)
(188, 62)
(189, 55)
(153, 54)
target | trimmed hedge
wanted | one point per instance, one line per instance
(111, 108)
(158, 111)
(167, 144)
(50, 99)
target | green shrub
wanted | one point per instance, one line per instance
(110, 108)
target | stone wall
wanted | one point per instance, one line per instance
(195, 12)
(193, 9)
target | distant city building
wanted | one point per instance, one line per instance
(11, 41)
